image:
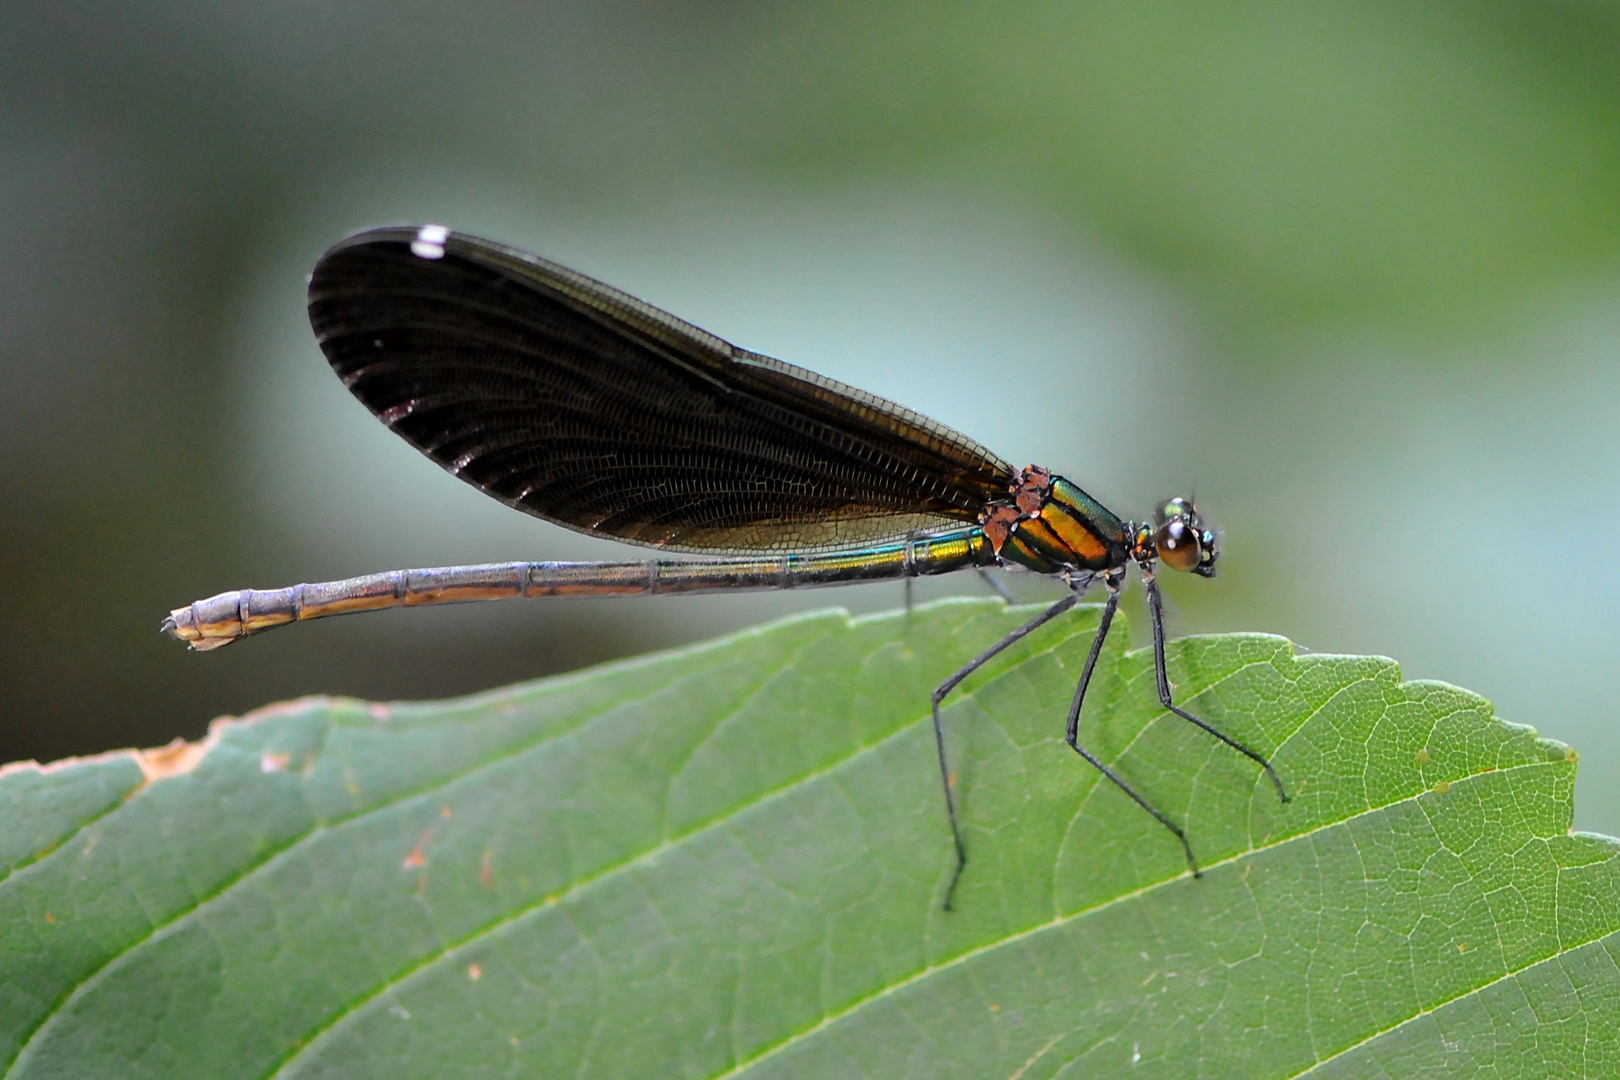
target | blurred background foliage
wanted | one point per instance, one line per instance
(1350, 268)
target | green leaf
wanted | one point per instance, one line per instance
(728, 861)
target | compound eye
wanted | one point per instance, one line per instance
(1179, 545)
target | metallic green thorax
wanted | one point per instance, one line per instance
(1050, 525)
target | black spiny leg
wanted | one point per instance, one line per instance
(911, 568)
(1072, 735)
(1156, 613)
(1000, 589)
(939, 731)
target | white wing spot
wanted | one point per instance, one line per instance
(429, 242)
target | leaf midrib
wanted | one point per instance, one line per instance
(1563, 951)
(495, 926)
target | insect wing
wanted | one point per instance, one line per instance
(577, 403)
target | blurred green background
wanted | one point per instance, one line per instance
(1351, 269)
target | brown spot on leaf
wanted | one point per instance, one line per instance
(1423, 757)
(486, 869)
(179, 757)
(1442, 786)
(474, 972)
(175, 759)
(417, 858)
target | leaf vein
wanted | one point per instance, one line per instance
(1421, 1013)
(1012, 939)
(274, 855)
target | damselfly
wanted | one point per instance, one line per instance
(576, 403)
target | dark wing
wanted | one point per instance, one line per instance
(576, 403)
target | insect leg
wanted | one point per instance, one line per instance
(911, 570)
(994, 583)
(1072, 734)
(1156, 614)
(939, 730)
